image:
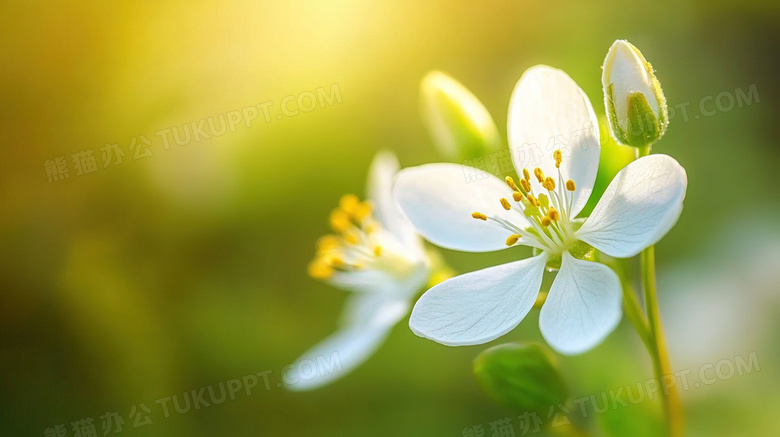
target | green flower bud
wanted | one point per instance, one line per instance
(460, 126)
(520, 377)
(635, 103)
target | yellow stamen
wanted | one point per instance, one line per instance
(362, 210)
(526, 175)
(349, 203)
(553, 214)
(319, 270)
(570, 185)
(328, 242)
(526, 185)
(479, 215)
(539, 174)
(352, 236)
(336, 262)
(377, 250)
(518, 196)
(532, 200)
(549, 184)
(505, 204)
(512, 239)
(511, 182)
(558, 156)
(339, 220)
(546, 221)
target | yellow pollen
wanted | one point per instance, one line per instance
(320, 270)
(539, 174)
(352, 236)
(349, 203)
(546, 221)
(328, 242)
(505, 204)
(511, 182)
(517, 196)
(479, 215)
(526, 185)
(553, 214)
(526, 175)
(512, 239)
(362, 210)
(377, 250)
(336, 262)
(570, 185)
(339, 220)
(549, 184)
(532, 200)
(558, 156)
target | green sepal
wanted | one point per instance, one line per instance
(520, 377)
(643, 128)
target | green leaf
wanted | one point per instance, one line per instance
(458, 123)
(520, 377)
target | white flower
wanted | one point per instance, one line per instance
(584, 303)
(376, 254)
(635, 103)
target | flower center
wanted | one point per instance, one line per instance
(552, 227)
(358, 243)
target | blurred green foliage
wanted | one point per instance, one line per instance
(186, 268)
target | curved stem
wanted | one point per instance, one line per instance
(657, 345)
(659, 354)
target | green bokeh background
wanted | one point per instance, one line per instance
(187, 268)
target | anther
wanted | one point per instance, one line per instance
(518, 196)
(511, 182)
(526, 185)
(505, 204)
(320, 270)
(512, 239)
(362, 210)
(570, 185)
(553, 214)
(349, 202)
(558, 156)
(549, 184)
(352, 236)
(339, 220)
(479, 215)
(539, 174)
(377, 250)
(545, 221)
(526, 175)
(328, 242)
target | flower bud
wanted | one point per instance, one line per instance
(460, 126)
(635, 103)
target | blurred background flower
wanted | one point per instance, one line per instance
(176, 260)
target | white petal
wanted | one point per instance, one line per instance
(439, 201)
(379, 192)
(369, 320)
(583, 306)
(480, 306)
(549, 111)
(638, 208)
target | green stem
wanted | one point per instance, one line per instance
(631, 305)
(659, 354)
(657, 344)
